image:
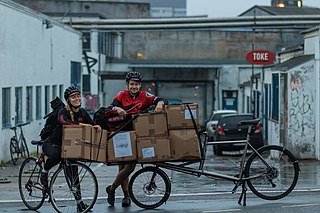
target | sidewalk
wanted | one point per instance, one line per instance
(309, 179)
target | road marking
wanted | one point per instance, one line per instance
(301, 205)
(223, 210)
(196, 194)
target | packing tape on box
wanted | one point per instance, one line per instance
(152, 132)
(151, 119)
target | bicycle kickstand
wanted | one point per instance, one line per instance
(243, 194)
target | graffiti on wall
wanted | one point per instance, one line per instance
(301, 102)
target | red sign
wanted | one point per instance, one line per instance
(260, 57)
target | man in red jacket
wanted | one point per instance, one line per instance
(134, 100)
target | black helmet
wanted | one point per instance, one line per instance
(134, 76)
(69, 91)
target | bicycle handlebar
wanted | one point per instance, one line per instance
(19, 125)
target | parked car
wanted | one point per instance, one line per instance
(228, 129)
(213, 121)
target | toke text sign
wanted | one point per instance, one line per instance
(260, 57)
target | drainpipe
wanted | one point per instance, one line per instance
(317, 69)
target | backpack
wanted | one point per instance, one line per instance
(51, 119)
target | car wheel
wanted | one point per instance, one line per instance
(217, 150)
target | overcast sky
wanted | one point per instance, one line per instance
(230, 8)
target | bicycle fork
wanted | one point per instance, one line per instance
(241, 182)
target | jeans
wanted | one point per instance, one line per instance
(53, 152)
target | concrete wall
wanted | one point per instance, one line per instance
(108, 9)
(301, 110)
(32, 55)
(203, 44)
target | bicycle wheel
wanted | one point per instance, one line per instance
(149, 187)
(24, 148)
(279, 179)
(14, 151)
(30, 189)
(71, 184)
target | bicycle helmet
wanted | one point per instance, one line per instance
(69, 91)
(134, 76)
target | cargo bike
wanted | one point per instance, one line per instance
(271, 172)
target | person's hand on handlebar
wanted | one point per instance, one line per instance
(159, 107)
(120, 111)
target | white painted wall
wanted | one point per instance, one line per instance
(301, 110)
(32, 55)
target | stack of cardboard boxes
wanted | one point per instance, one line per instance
(152, 137)
(182, 133)
(156, 137)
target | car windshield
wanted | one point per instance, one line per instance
(216, 117)
(235, 120)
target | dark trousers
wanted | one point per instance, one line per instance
(53, 152)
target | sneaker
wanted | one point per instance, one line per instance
(126, 202)
(44, 180)
(111, 196)
(81, 207)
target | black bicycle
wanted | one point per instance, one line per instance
(18, 144)
(271, 172)
(71, 182)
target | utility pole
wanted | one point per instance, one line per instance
(252, 66)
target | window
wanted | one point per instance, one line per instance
(86, 83)
(75, 73)
(18, 106)
(29, 104)
(102, 43)
(46, 100)
(275, 97)
(86, 41)
(61, 91)
(54, 91)
(110, 44)
(38, 103)
(6, 107)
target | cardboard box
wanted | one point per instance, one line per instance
(98, 153)
(184, 144)
(122, 147)
(99, 145)
(179, 116)
(98, 137)
(151, 125)
(73, 140)
(153, 149)
(77, 143)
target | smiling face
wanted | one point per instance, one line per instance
(75, 99)
(134, 87)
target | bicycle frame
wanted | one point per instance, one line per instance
(200, 171)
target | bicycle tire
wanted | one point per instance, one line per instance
(30, 189)
(149, 195)
(14, 151)
(63, 193)
(24, 148)
(274, 183)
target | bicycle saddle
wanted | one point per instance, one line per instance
(37, 142)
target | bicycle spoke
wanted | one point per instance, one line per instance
(149, 187)
(73, 184)
(31, 191)
(14, 151)
(275, 180)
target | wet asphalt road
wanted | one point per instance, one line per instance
(189, 193)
